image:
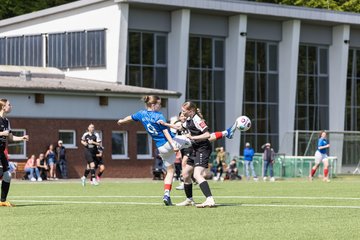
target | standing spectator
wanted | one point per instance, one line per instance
(61, 159)
(248, 159)
(268, 158)
(50, 156)
(321, 156)
(220, 162)
(42, 166)
(5, 137)
(30, 168)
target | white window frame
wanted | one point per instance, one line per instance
(18, 156)
(124, 156)
(67, 145)
(145, 156)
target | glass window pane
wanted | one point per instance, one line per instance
(206, 85)
(161, 78)
(194, 52)
(161, 49)
(323, 61)
(261, 116)
(143, 147)
(312, 60)
(358, 63)
(17, 148)
(219, 53)
(219, 86)
(302, 66)
(193, 84)
(261, 57)
(302, 90)
(148, 48)
(249, 86)
(261, 88)
(301, 118)
(148, 77)
(250, 56)
(68, 137)
(323, 90)
(206, 53)
(273, 119)
(134, 47)
(135, 76)
(312, 90)
(273, 58)
(118, 143)
(273, 88)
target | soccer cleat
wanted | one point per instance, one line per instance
(272, 179)
(6, 204)
(231, 131)
(311, 178)
(98, 178)
(167, 200)
(325, 179)
(187, 202)
(180, 187)
(209, 202)
(94, 182)
(83, 181)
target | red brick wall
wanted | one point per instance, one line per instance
(43, 132)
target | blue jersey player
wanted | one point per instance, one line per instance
(165, 141)
(321, 156)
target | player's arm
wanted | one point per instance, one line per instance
(170, 125)
(125, 120)
(13, 138)
(203, 136)
(169, 139)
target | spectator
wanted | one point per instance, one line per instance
(42, 166)
(30, 168)
(248, 159)
(61, 159)
(269, 159)
(220, 162)
(232, 171)
(50, 156)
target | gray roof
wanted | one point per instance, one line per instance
(19, 79)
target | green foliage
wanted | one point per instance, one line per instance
(12, 8)
(337, 5)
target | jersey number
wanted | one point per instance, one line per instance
(151, 129)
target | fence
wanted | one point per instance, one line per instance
(285, 166)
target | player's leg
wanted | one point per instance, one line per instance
(247, 163)
(326, 169)
(101, 171)
(188, 186)
(5, 183)
(318, 158)
(204, 187)
(229, 133)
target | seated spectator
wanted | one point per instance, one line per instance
(220, 162)
(42, 166)
(232, 171)
(30, 168)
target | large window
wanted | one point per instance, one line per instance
(22, 50)
(77, 49)
(312, 99)
(144, 145)
(119, 141)
(147, 60)
(206, 79)
(68, 137)
(261, 94)
(17, 150)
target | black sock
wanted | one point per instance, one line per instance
(99, 174)
(188, 190)
(86, 173)
(204, 186)
(92, 174)
(4, 190)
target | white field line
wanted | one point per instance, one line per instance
(143, 203)
(216, 197)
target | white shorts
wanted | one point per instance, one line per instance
(319, 157)
(167, 153)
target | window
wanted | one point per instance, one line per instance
(261, 83)
(77, 49)
(17, 150)
(206, 79)
(147, 60)
(144, 145)
(119, 145)
(68, 137)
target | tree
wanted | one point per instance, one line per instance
(12, 8)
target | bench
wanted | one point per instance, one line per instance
(20, 169)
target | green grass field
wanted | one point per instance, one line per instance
(132, 209)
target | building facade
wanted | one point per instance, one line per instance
(287, 68)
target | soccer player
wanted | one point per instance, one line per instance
(199, 158)
(166, 142)
(91, 140)
(321, 156)
(6, 135)
(99, 163)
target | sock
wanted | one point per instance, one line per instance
(86, 173)
(167, 189)
(218, 135)
(188, 190)
(4, 190)
(100, 173)
(326, 171)
(204, 186)
(313, 172)
(92, 174)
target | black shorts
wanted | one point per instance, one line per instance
(186, 151)
(200, 157)
(90, 156)
(98, 162)
(4, 161)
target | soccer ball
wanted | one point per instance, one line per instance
(243, 123)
